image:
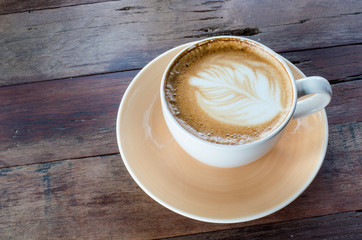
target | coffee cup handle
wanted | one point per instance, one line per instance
(320, 91)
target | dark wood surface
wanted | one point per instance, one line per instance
(65, 66)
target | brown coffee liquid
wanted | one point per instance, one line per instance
(228, 91)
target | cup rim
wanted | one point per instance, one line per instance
(275, 55)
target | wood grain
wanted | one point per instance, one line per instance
(95, 198)
(345, 104)
(13, 6)
(338, 226)
(65, 66)
(62, 119)
(336, 64)
(285, 13)
(111, 36)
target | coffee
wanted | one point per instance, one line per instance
(228, 91)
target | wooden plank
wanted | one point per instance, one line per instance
(337, 226)
(345, 104)
(108, 37)
(285, 12)
(95, 198)
(76, 117)
(72, 120)
(60, 119)
(336, 63)
(13, 6)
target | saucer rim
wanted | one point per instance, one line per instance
(129, 91)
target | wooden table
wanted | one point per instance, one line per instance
(65, 66)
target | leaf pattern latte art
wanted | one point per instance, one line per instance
(236, 94)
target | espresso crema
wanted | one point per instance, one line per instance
(228, 91)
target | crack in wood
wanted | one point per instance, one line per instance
(300, 62)
(235, 32)
(207, 18)
(304, 20)
(70, 77)
(318, 48)
(211, 2)
(354, 78)
(7, 168)
(291, 23)
(209, 29)
(203, 11)
(130, 8)
(349, 78)
(349, 14)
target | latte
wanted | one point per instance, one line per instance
(228, 91)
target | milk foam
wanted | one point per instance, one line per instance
(234, 93)
(229, 92)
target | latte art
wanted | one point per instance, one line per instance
(234, 93)
(228, 92)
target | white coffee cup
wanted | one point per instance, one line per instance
(226, 156)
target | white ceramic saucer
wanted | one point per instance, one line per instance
(184, 185)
